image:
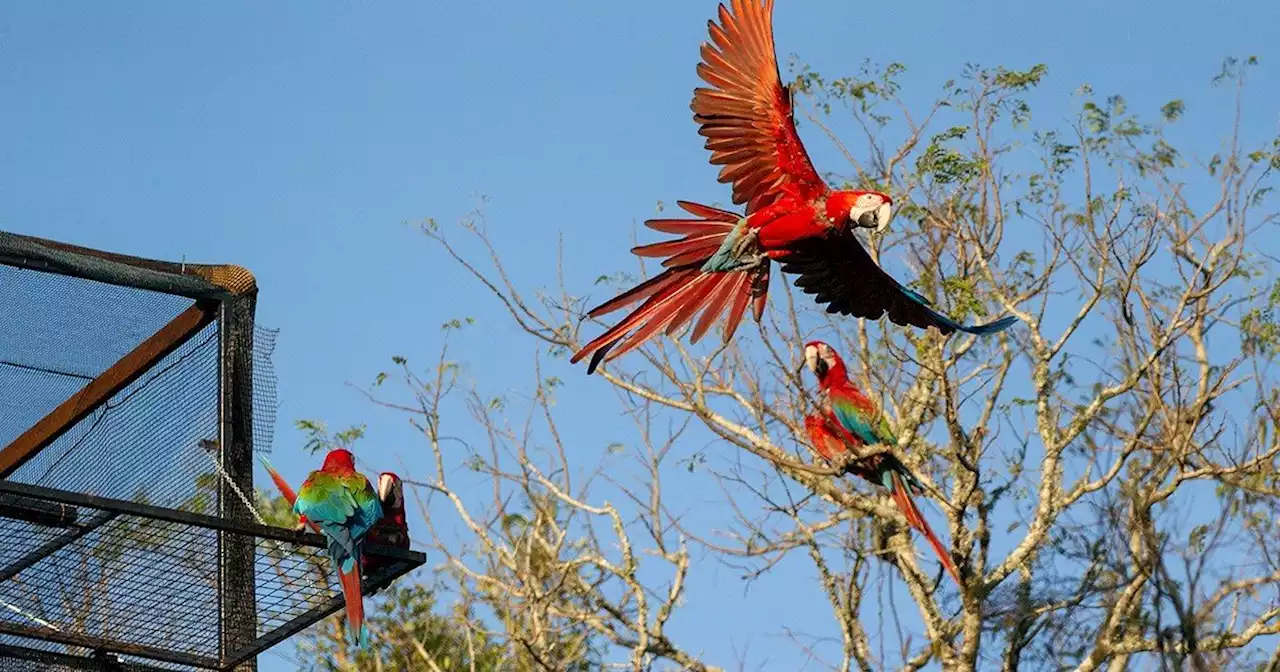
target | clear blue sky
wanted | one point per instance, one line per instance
(297, 139)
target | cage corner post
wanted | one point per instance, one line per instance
(237, 608)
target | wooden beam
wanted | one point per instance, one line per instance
(100, 389)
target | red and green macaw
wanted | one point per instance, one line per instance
(392, 529)
(850, 418)
(792, 216)
(342, 503)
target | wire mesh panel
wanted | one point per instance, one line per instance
(132, 396)
(30, 660)
(143, 581)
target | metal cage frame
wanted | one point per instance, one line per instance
(227, 295)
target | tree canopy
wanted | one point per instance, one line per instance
(1104, 472)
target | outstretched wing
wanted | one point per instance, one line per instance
(747, 116)
(840, 274)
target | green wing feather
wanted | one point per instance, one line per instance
(863, 420)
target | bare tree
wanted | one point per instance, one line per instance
(1106, 468)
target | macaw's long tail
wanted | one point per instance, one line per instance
(902, 497)
(352, 595)
(700, 277)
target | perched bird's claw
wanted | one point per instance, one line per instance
(846, 461)
(753, 262)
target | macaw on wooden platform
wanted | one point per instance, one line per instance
(793, 217)
(343, 504)
(850, 418)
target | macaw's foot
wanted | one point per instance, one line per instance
(748, 242)
(753, 262)
(740, 251)
(845, 461)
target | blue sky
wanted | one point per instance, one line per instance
(304, 141)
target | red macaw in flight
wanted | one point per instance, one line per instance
(850, 418)
(792, 217)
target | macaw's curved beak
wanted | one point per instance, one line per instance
(883, 214)
(876, 218)
(385, 484)
(815, 364)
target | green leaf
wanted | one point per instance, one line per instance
(1172, 110)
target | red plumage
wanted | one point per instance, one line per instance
(832, 438)
(792, 216)
(392, 529)
(747, 119)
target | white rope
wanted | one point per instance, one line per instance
(212, 448)
(30, 617)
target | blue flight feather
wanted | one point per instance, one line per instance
(977, 329)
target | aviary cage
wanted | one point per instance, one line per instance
(133, 394)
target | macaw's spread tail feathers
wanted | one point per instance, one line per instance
(902, 497)
(352, 595)
(707, 212)
(703, 236)
(686, 289)
(642, 291)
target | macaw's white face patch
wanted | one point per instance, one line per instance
(871, 211)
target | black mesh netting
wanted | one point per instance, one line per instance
(79, 579)
(29, 660)
(145, 443)
(148, 584)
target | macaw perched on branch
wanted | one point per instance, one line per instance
(792, 216)
(392, 529)
(344, 505)
(851, 419)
